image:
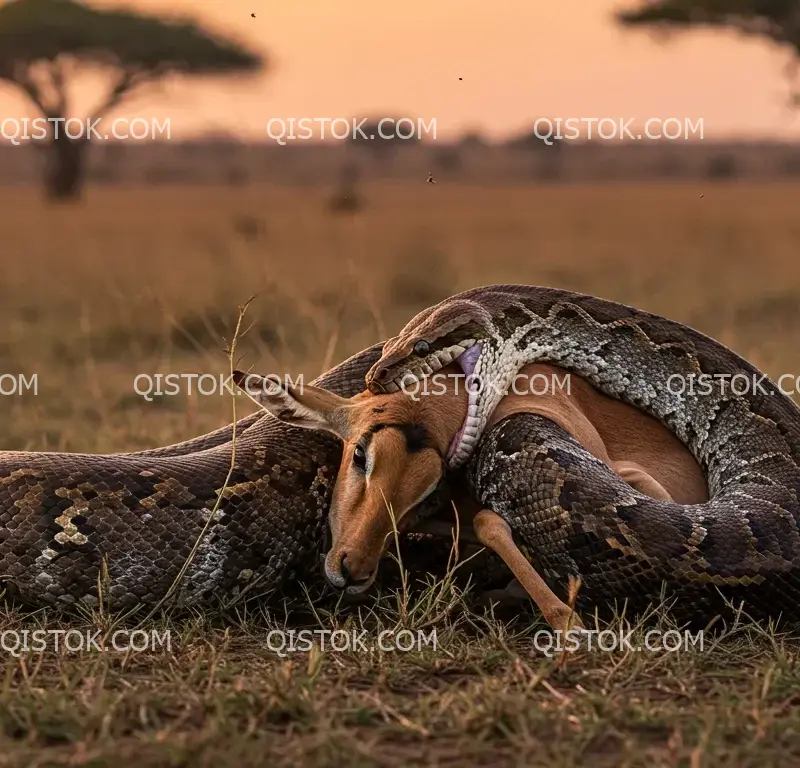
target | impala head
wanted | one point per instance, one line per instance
(393, 458)
(470, 330)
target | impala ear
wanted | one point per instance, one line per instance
(301, 406)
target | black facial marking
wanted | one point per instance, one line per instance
(416, 436)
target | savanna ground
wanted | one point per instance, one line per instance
(149, 281)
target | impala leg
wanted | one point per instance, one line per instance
(493, 532)
(640, 480)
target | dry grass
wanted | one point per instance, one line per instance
(148, 281)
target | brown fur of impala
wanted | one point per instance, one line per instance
(401, 442)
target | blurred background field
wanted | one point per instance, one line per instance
(146, 281)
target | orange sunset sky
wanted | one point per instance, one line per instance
(519, 60)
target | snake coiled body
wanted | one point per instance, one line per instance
(574, 516)
(577, 517)
(66, 518)
(69, 522)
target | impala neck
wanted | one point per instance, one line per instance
(443, 401)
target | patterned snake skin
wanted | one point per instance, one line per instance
(62, 516)
(67, 520)
(572, 513)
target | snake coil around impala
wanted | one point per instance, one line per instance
(67, 519)
(574, 515)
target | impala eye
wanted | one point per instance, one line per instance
(360, 457)
(421, 348)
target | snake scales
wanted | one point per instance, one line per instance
(64, 518)
(68, 519)
(571, 512)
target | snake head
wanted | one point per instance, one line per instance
(479, 330)
(451, 331)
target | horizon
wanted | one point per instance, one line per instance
(371, 61)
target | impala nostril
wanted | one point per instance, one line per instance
(343, 569)
(347, 576)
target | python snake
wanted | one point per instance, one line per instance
(77, 528)
(571, 512)
(71, 523)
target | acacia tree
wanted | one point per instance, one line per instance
(44, 44)
(775, 20)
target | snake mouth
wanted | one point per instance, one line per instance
(426, 366)
(467, 354)
(466, 438)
